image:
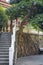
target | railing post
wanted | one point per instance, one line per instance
(15, 52)
(12, 49)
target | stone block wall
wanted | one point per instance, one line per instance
(26, 45)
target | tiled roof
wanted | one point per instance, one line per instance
(5, 4)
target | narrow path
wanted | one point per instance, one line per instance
(31, 60)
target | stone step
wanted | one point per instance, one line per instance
(5, 42)
(4, 53)
(4, 50)
(4, 59)
(5, 45)
(4, 56)
(5, 38)
(4, 63)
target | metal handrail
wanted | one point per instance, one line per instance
(12, 49)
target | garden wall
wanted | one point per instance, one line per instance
(26, 44)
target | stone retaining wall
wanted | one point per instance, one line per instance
(26, 45)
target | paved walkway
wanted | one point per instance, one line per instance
(31, 60)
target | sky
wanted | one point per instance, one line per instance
(7, 0)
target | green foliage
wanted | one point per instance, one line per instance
(3, 17)
(37, 21)
(14, 1)
(12, 13)
(20, 10)
(27, 7)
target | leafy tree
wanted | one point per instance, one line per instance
(3, 18)
(11, 14)
(26, 9)
(37, 21)
(14, 1)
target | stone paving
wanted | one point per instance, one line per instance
(30, 60)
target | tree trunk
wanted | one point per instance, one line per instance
(3, 29)
(11, 27)
(6, 27)
(23, 23)
(15, 56)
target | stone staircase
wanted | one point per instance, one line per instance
(5, 43)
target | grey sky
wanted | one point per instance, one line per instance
(7, 0)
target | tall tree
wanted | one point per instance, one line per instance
(26, 9)
(14, 1)
(3, 18)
